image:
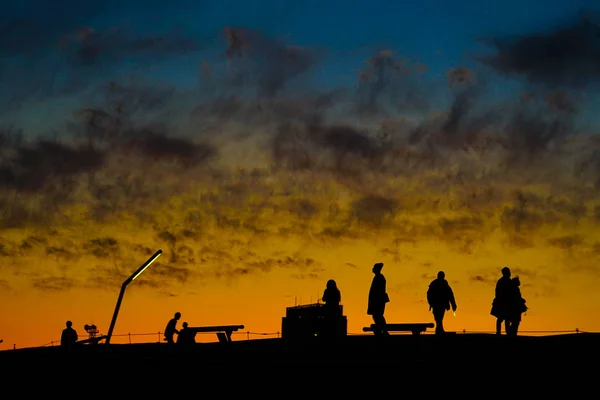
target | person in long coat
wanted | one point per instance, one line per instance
(378, 298)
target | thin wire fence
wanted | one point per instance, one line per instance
(134, 338)
(158, 337)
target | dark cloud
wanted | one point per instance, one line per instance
(389, 82)
(158, 147)
(4, 285)
(60, 253)
(566, 56)
(263, 62)
(566, 242)
(35, 166)
(303, 208)
(330, 164)
(99, 48)
(375, 211)
(102, 247)
(53, 283)
(162, 273)
(71, 53)
(535, 282)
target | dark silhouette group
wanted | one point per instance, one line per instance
(507, 307)
(184, 335)
(509, 304)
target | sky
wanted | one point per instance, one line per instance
(267, 147)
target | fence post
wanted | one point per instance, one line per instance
(277, 334)
(129, 337)
(248, 335)
(14, 346)
(52, 343)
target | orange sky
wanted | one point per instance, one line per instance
(239, 247)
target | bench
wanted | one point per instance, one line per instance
(223, 332)
(416, 329)
(93, 340)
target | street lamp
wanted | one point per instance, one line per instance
(122, 292)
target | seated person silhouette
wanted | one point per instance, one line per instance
(186, 336)
(69, 335)
(171, 328)
(332, 298)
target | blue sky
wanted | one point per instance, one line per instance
(437, 33)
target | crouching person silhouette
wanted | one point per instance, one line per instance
(378, 298)
(440, 298)
(171, 328)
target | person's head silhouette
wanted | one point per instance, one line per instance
(185, 325)
(377, 268)
(331, 285)
(69, 324)
(516, 281)
(441, 275)
(506, 272)
(177, 315)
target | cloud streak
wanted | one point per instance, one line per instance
(259, 152)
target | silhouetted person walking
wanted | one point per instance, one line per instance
(171, 328)
(502, 301)
(378, 298)
(69, 335)
(440, 298)
(517, 307)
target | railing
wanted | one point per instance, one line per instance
(134, 337)
(130, 338)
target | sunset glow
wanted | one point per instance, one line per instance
(260, 184)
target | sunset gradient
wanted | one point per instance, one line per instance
(260, 184)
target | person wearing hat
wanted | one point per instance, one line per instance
(378, 298)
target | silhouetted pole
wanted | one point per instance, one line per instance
(122, 292)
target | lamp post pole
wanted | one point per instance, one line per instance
(122, 292)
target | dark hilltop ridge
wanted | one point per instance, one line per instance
(314, 347)
(472, 362)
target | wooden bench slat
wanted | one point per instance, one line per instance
(409, 326)
(415, 328)
(224, 328)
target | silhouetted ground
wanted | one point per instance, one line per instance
(462, 363)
